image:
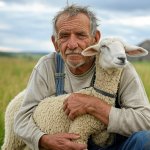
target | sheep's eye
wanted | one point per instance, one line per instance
(104, 46)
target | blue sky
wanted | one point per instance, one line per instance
(27, 25)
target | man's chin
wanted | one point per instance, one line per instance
(74, 57)
(75, 65)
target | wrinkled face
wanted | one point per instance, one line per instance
(73, 36)
(113, 55)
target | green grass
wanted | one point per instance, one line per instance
(143, 69)
(15, 72)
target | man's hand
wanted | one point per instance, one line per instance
(61, 141)
(79, 104)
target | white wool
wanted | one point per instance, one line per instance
(49, 115)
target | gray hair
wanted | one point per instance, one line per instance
(74, 10)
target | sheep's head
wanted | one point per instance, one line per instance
(113, 52)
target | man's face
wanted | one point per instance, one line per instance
(73, 36)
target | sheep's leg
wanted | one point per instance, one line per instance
(85, 126)
(103, 138)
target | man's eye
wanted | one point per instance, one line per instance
(81, 36)
(63, 36)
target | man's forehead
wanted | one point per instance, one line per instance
(77, 30)
(74, 23)
(67, 17)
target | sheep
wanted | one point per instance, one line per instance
(52, 119)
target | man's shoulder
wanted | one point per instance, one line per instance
(129, 70)
(129, 74)
(47, 60)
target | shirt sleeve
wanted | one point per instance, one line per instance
(134, 114)
(37, 90)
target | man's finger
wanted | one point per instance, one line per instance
(71, 136)
(67, 111)
(65, 105)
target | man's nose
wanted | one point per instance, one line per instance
(72, 42)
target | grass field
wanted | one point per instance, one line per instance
(143, 69)
(15, 72)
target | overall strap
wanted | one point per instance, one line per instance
(59, 75)
(99, 90)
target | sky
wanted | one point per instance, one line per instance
(26, 25)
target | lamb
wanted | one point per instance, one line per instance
(52, 119)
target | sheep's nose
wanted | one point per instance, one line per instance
(122, 59)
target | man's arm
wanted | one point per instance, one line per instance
(79, 104)
(24, 125)
(134, 114)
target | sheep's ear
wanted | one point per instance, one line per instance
(135, 51)
(91, 50)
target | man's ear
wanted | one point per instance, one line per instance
(54, 43)
(97, 36)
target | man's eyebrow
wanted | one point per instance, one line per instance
(62, 32)
(81, 32)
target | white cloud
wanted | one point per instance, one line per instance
(9, 49)
(27, 44)
(2, 4)
(135, 21)
(22, 19)
(4, 26)
(27, 7)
